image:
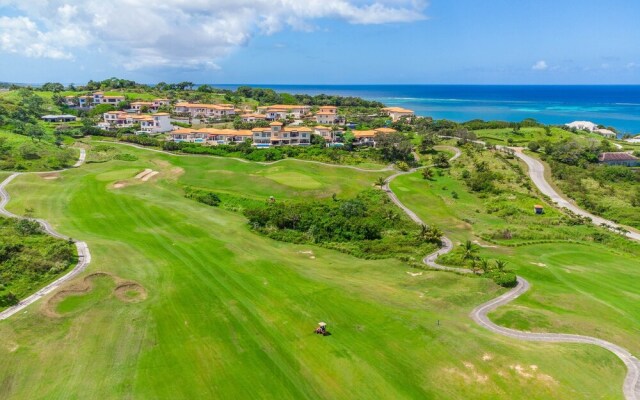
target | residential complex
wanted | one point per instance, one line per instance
(205, 110)
(156, 123)
(327, 115)
(282, 111)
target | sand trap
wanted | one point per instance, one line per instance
(50, 176)
(414, 274)
(126, 291)
(130, 292)
(144, 173)
(119, 185)
(539, 264)
(149, 176)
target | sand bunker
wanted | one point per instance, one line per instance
(539, 264)
(130, 292)
(149, 176)
(144, 173)
(126, 291)
(50, 176)
(414, 274)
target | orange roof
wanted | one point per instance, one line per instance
(385, 130)
(183, 131)
(161, 114)
(359, 134)
(397, 110)
(275, 123)
(297, 129)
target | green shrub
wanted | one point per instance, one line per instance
(505, 279)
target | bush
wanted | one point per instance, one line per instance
(202, 196)
(505, 279)
(125, 157)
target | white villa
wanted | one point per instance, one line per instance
(156, 123)
(609, 134)
(282, 111)
(583, 125)
(152, 106)
(398, 112)
(206, 110)
(327, 115)
(93, 100)
(252, 117)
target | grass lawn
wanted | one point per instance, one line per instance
(26, 155)
(230, 314)
(584, 287)
(526, 135)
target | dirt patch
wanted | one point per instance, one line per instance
(308, 253)
(50, 176)
(120, 185)
(130, 292)
(414, 274)
(126, 291)
(487, 357)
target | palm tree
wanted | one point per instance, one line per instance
(381, 181)
(501, 265)
(469, 250)
(484, 265)
(474, 265)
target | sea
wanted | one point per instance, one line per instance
(616, 106)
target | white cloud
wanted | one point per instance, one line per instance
(540, 66)
(177, 33)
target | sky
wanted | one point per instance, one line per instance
(322, 41)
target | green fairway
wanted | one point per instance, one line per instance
(230, 314)
(581, 287)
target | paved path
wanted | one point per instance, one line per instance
(631, 386)
(536, 172)
(84, 256)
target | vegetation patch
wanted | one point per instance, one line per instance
(294, 179)
(29, 258)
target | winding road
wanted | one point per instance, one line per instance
(84, 256)
(631, 385)
(536, 173)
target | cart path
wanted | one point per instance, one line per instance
(631, 386)
(266, 163)
(84, 256)
(536, 173)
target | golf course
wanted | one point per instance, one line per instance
(183, 300)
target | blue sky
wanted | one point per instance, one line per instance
(322, 41)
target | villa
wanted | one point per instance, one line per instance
(398, 112)
(205, 110)
(619, 158)
(282, 111)
(327, 115)
(93, 100)
(277, 135)
(252, 117)
(583, 125)
(151, 106)
(156, 123)
(59, 118)
(367, 138)
(607, 133)
(327, 133)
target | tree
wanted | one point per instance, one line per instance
(35, 132)
(53, 87)
(430, 234)
(427, 174)
(534, 146)
(483, 263)
(441, 160)
(501, 265)
(427, 142)
(469, 250)
(394, 146)
(381, 181)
